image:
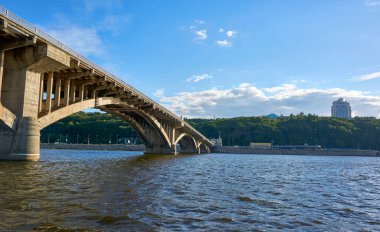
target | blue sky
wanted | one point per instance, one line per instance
(227, 58)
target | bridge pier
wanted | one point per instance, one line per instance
(20, 87)
(23, 144)
(160, 151)
(6, 138)
(20, 138)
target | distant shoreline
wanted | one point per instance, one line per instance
(221, 149)
(314, 152)
(101, 147)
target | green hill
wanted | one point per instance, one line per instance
(328, 132)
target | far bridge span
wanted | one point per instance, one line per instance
(43, 81)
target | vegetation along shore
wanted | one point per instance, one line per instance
(104, 128)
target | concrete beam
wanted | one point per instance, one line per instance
(49, 58)
(114, 91)
(76, 75)
(74, 63)
(4, 25)
(87, 82)
(18, 44)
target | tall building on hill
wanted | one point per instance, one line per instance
(341, 109)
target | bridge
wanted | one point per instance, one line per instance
(43, 81)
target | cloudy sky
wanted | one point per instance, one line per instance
(227, 58)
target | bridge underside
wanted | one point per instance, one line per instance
(41, 83)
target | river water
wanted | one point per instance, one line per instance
(120, 191)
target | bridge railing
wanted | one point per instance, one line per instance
(38, 32)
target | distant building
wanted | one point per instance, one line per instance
(217, 142)
(297, 147)
(341, 109)
(261, 145)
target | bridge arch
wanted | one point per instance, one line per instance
(186, 143)
(149, 129)
(135, 125)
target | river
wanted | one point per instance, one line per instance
(125, 191)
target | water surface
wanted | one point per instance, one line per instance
(126, 191)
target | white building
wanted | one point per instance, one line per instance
(217, 142)
(261, 145)
(341, 109)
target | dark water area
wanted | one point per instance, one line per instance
(125, 191)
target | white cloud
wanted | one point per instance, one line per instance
(223, 43)
(281, 88)
(86, 41)
(92, 5)
(221, 30)
(372, 2)
(298, 81)
(201, 34)
(159, 92)
(196, 78)
(369, 76)
(248, 100)
(114, 23)
(231, 33)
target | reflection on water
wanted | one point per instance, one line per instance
(119, 191)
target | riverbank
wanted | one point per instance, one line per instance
(109, 147)
(271, 151)
(220, 149)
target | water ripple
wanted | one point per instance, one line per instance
(119, 191)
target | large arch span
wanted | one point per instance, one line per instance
(43, 81)
(149, 130)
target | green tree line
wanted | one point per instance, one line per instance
(359, 132)
(94, 128)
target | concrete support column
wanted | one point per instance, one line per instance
(67, 92)
(81, 92)
(85, 92)
(1, 71)
(93, 94)
(57, 94)
(26, 141)
(172, 136)
(72, 91)
(41, 95)
(22, 95)
(49, 91)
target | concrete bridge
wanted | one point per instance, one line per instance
(43, 81)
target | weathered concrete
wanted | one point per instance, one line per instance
(26, 140)
(43, 81)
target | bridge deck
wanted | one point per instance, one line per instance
(83, 69)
